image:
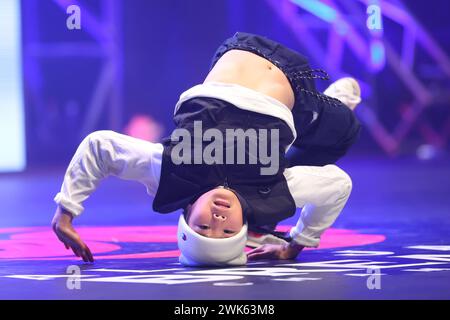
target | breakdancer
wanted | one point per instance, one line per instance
(229, 163)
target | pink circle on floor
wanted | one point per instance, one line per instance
(40, 243)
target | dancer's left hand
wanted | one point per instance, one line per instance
(274, 251)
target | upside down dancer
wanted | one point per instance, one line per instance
(264, 93)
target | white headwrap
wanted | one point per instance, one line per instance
(197, 250)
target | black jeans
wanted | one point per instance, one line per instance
(326, 128)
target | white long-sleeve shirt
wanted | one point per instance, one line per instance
(321, 192)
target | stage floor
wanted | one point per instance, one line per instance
(392, 241)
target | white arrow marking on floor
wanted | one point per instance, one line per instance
(296, 279)
(352, 253)
(428, 269)
(436, 248)
(41, 277)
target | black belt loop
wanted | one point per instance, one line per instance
(315, 74)
(310, 74)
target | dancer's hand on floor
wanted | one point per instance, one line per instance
(275, 251)
(62, 226)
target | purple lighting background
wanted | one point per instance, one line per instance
(125, 70)
(126, 67)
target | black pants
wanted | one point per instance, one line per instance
(326, 128)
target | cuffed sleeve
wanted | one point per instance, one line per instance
(322, 193)
(105, 153)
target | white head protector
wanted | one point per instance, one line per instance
(197, 250)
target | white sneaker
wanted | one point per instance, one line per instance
(347, 90)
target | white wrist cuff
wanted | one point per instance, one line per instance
(303, 240)
(74, 208)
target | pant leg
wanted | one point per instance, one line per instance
(327, 139)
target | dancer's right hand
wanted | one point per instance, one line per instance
(62, 226)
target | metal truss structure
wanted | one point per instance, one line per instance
(343, 21)
(373, 51)
(104, 29)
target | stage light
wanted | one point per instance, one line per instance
(377, 55)
(12, 122)
(318, 8)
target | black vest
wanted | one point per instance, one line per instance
(268, 199)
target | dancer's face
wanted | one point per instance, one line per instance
(216, 214)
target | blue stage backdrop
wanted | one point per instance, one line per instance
(127, 63)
